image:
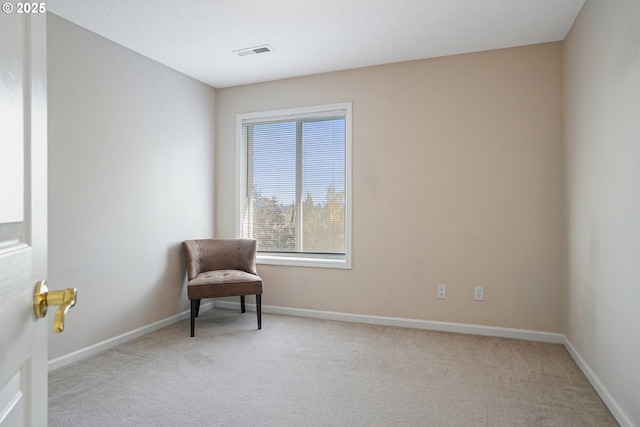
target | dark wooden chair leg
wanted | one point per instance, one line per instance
(259, 310)
(195, 306)
(242, 309)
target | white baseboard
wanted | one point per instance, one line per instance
(462, 328)
(83, 353)
(618, 413)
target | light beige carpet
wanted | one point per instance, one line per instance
(308, 372)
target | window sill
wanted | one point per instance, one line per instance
(304, 261)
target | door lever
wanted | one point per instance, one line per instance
(64, 299)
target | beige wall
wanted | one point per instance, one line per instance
(602, 135)
(130, 176)
(457, 179)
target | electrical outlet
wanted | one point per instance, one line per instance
(442, 291)
(479, 294)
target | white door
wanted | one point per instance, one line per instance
(23, 214)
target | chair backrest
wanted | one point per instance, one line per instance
(219, 254)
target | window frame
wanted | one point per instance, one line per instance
(337, 261)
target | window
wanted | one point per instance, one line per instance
(295, 185)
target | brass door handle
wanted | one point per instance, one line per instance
(43, 298)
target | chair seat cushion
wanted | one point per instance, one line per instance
(224, 283)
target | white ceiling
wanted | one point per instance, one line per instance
(198, 37)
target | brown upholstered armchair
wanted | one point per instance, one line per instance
(221, 268)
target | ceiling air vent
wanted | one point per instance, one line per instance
(253, 50)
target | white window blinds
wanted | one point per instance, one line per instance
(295, 182)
